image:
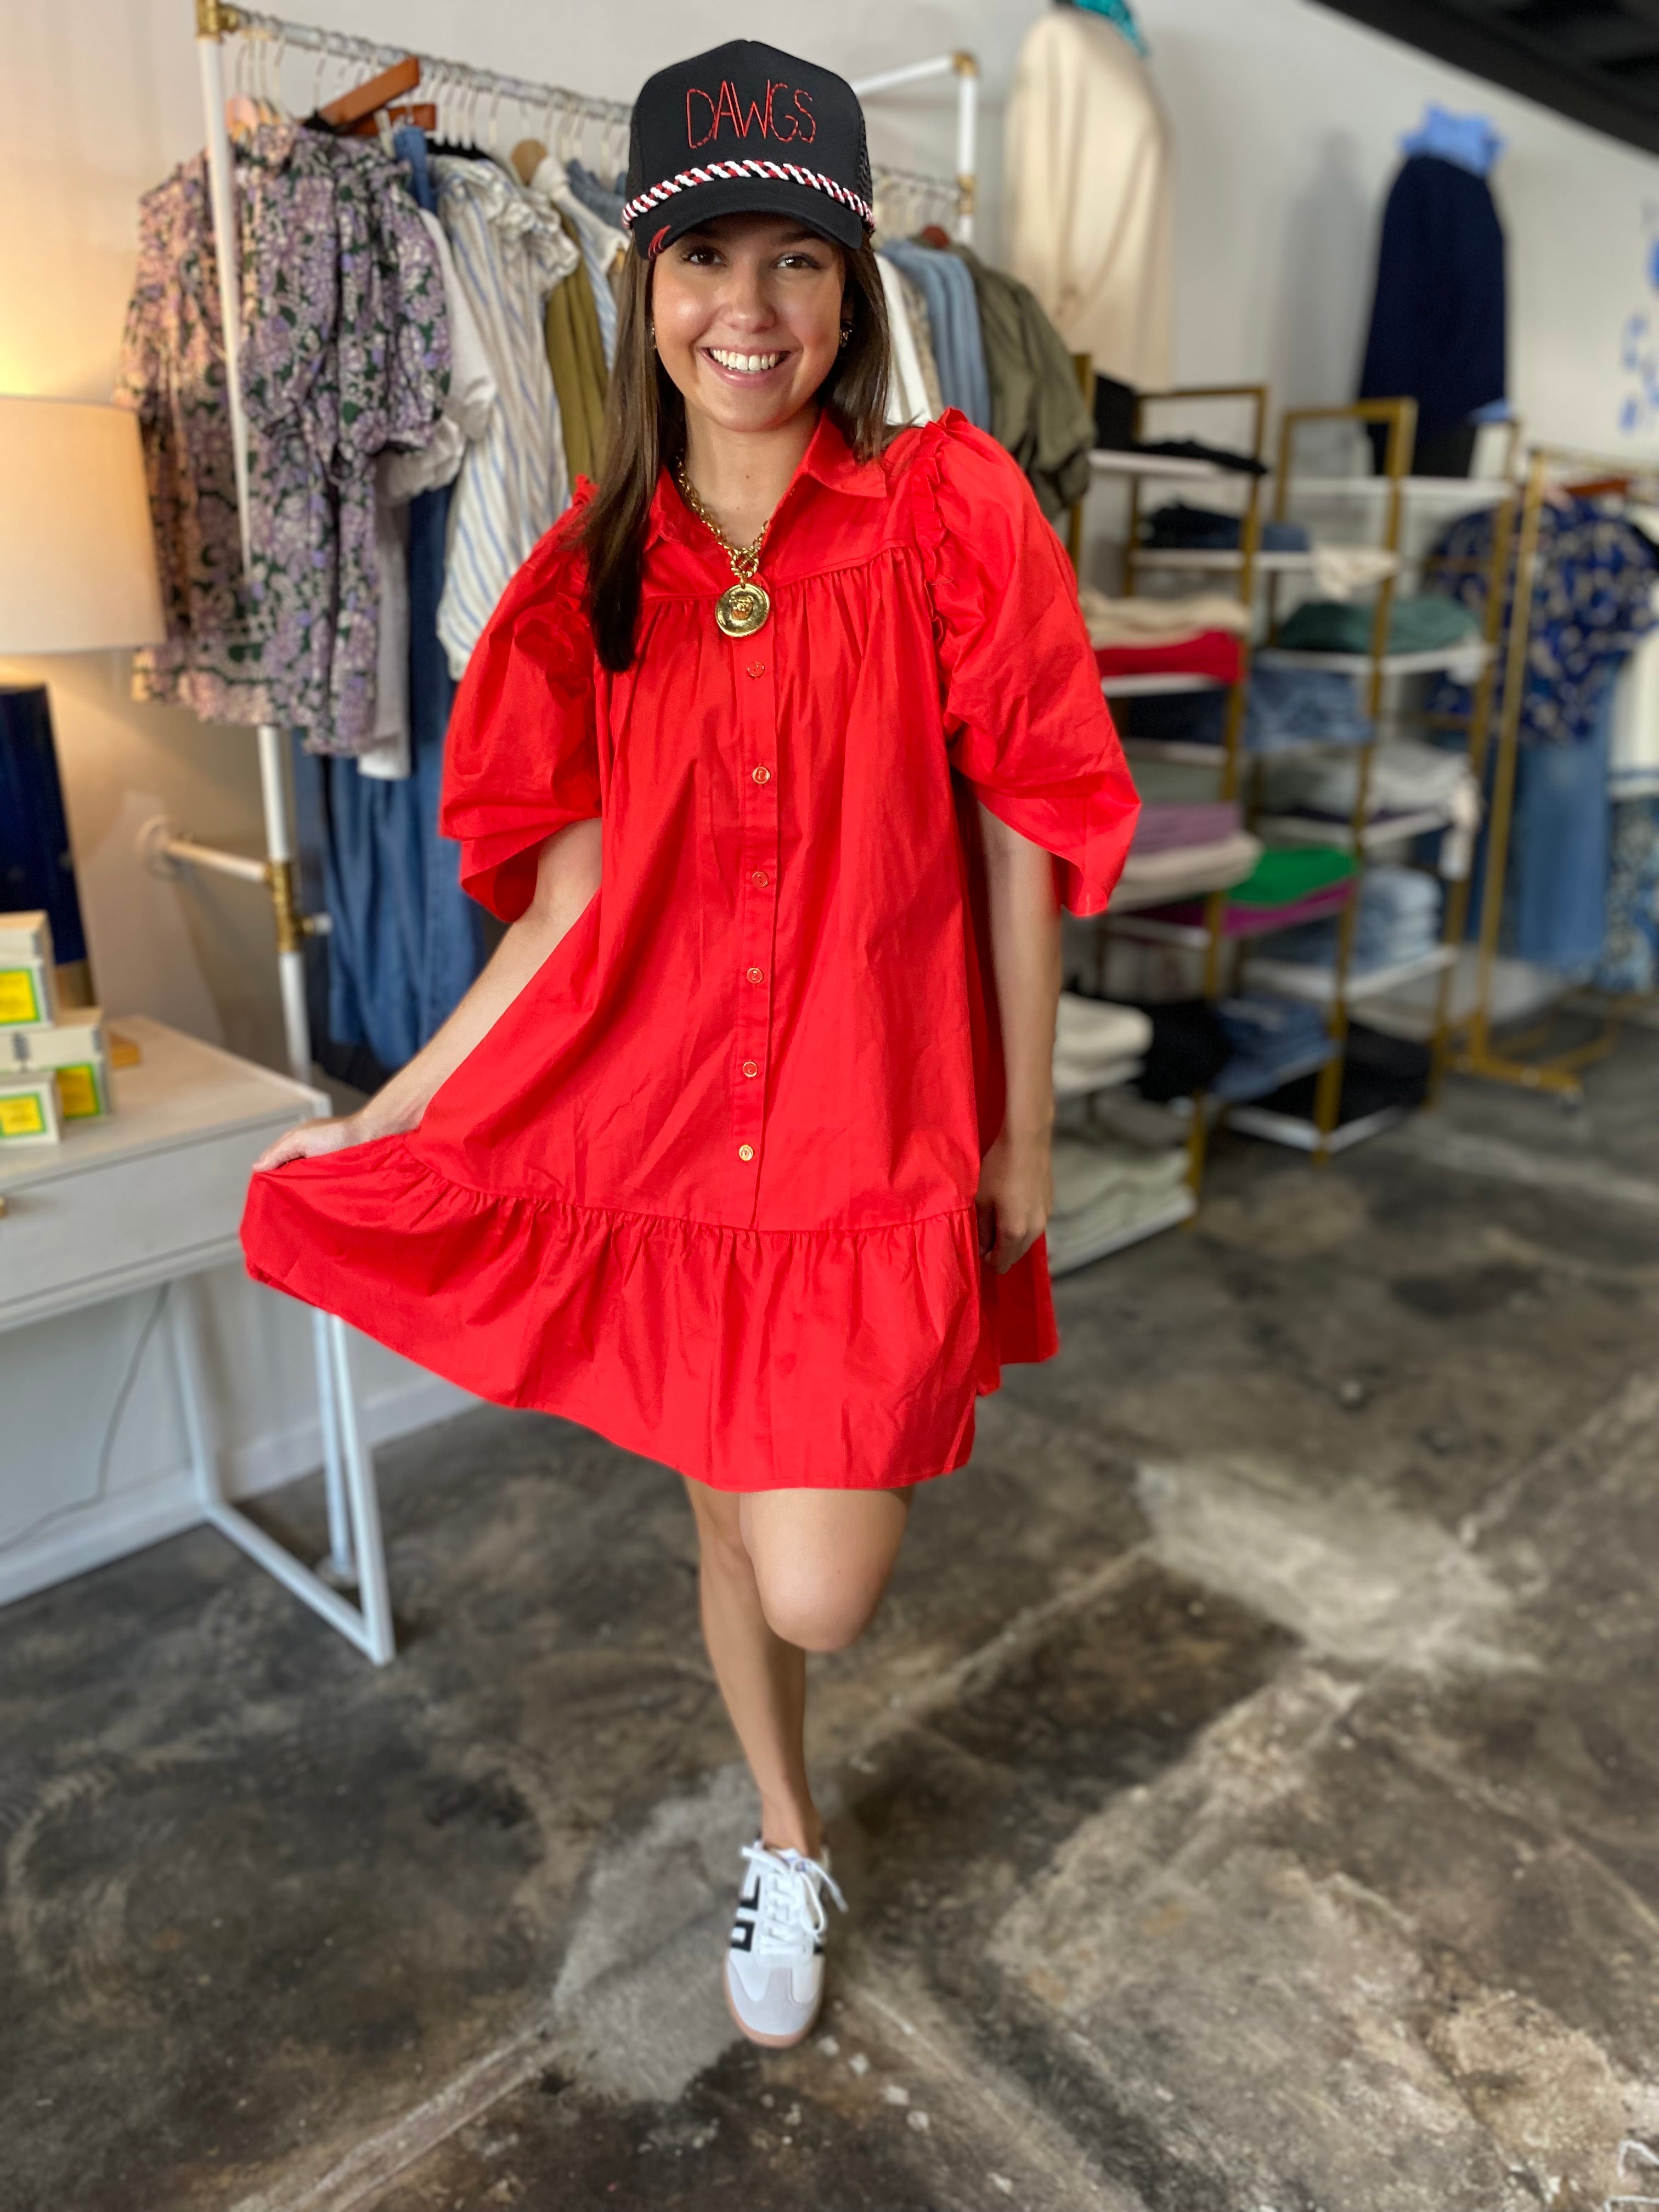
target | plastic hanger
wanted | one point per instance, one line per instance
(1470, 141)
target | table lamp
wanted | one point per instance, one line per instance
(77, 574)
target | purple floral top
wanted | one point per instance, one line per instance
(345, 352)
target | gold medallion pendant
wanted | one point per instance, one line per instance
(743, 608)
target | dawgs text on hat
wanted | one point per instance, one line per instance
(746, 131)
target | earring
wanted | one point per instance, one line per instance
(845, 332)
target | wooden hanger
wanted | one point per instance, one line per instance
(933, 236)
(352, 107)
(527, 157)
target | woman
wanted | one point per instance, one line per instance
(738, 1150)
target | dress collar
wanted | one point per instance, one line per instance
(829, 460)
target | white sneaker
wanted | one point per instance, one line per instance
(774, 1968)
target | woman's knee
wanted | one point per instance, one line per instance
(819, 1613)
(822, 1560)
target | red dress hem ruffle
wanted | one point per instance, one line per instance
(525, 1300)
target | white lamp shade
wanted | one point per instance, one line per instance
(77, 559)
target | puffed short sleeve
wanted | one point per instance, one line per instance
(521, 757)
(1024, 718)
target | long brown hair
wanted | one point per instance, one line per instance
(645, 426)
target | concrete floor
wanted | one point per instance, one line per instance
(1248, 1797)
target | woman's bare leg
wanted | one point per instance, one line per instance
(784, 1571)
(762, 1678)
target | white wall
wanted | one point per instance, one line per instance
(1285, 120)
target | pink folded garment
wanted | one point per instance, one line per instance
(1168, 825)
(1256, 920)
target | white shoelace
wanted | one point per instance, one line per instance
(791, 1901)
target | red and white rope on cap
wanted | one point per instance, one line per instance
(715, 170)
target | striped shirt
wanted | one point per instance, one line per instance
(509, 251)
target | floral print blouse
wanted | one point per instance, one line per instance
(345, 354)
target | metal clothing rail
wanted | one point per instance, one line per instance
(270, 37)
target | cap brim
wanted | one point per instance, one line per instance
(699, 203)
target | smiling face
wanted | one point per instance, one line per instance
(748, 312)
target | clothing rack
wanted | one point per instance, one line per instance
(1466, 1039)
(266, 40)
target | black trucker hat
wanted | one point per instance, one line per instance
(745, 130)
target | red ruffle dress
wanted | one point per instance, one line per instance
(707, 1185)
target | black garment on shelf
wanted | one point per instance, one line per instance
(1443, 453)
(1437, 333)
(1378, 1072)
(1183, 718)
(1114, 433)
(1188, 1049)
(1201, 529)
(1194, 449)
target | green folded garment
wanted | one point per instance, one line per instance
(1285, 873)
(1428, 624)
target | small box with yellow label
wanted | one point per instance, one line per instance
(29, 1112)
(75, 1052)
(28, 990)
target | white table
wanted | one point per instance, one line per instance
(153, 1195)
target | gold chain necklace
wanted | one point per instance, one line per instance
(743, 607)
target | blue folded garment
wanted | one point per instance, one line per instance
(1269, 1036)
(1292, 707)
(1399, 920)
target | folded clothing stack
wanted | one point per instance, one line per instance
(1197, 636)
(1187, 1050)
(1379, 1073)
(1170, 825)
(1202, 530)
(1399, 920)
(1104, 1191)
(1143, 621)
(1181, 848)
(1428, 623)
(1293, 707)
(1213, 653)
(1288, 884)
(1406, 777)
(1269, 1036)
(1290, 708)
(1097, 1044)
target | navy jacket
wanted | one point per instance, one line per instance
(1439, 324)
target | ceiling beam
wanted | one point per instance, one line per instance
(1475, 36)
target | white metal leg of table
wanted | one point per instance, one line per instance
(357, 1549)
